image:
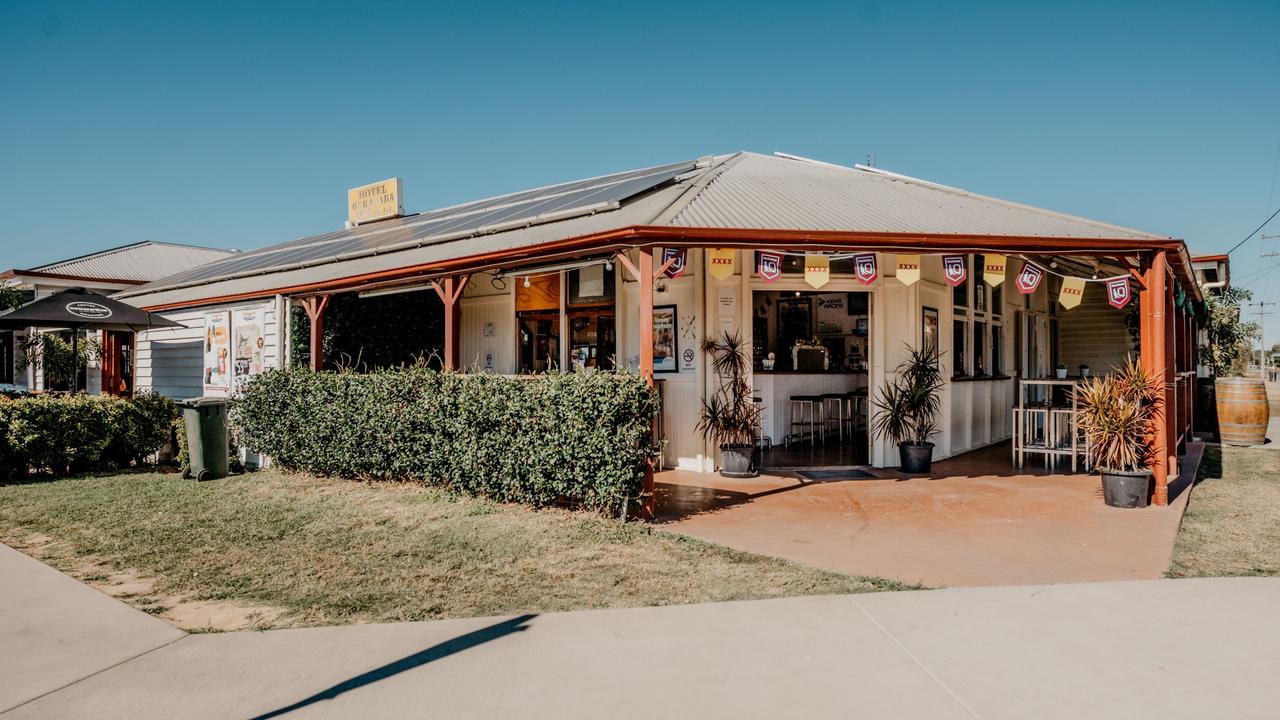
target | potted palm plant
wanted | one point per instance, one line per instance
(907, 409)
(729, 417)
(1117, 412)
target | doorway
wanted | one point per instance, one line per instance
(810, 372)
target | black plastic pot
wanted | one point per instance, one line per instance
(737, 461)
(1126, 489)
(915, 457)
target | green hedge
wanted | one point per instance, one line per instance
(572, 437)
(62, 434)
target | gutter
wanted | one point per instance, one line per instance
(636, 236)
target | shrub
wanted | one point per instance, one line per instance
(572, 437)
(73, 433)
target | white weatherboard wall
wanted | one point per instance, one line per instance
(171, 361)
(488, 325)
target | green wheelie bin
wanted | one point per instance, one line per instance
(206, 422)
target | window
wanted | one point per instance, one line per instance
(539, 342)
(959, 332)
(979, 348)
(997, 350)
(977, 334)
(960, 293)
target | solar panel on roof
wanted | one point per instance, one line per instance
(445, 222)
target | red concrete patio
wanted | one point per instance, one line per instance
(975, 521)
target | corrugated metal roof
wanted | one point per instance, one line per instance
(743, 190)
(142, 261)
(776, 193)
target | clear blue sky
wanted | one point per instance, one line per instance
(243, 124)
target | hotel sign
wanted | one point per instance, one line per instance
(376, 201)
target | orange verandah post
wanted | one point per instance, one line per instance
(314, 307)
(644, 274)
(449, 290)
(1155, 302)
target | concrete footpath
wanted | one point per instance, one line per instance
(1162, 648)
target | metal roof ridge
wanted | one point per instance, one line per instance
(886, 174)
(122, 248)
(668, 215)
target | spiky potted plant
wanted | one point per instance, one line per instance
(729, 417)
(1117, 413)
(907, 409)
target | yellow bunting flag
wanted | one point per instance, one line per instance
(817, 270)
(908, 269)
(1072, 292)
(723, 262)
(993, 269)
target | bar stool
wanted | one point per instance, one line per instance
(836, 409)
(765, 440)
(860, 410)
(806, 410)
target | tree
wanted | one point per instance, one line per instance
(10, 297)
(1230, 340)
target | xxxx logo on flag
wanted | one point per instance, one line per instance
(817, 270)
(955, 268)
(678, 267)
(993, 269)
(1072, 292)
(1118, 292)
(864, 268)
(723, 262)
(1029, 279)
(908, 271)
(769, 266)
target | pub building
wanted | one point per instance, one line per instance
(829, 273)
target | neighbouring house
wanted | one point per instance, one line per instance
(105, 271)
(1213, 272)
(829, 272)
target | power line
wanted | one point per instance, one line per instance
(1255, 231)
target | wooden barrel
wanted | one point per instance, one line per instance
(1242, 410)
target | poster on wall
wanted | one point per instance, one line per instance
(929, 327)
(217, 353)
(248, 333)
(666, 340)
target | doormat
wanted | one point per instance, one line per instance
(845, 474)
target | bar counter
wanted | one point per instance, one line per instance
(775, 388)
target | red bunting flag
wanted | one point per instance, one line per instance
(678, 267)
(1118, 292)
(769, 265)
(1029, 279)
(864, 268)
(955, 268)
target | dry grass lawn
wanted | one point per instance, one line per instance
(276, 550)
(1232, 523)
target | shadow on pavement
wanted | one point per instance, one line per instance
(435, 652)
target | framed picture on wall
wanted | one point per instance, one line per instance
(666, 340)
(929, 330)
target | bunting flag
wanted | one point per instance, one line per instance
(908, 269)
(1029, 279)
(1118, 292)
(864, 268)
(955, 268)
(1072, 292)
(723, 262)
(678, 267)
(769, 265)
(817, 270)
(993, 269)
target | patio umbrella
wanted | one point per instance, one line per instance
(79, 309)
